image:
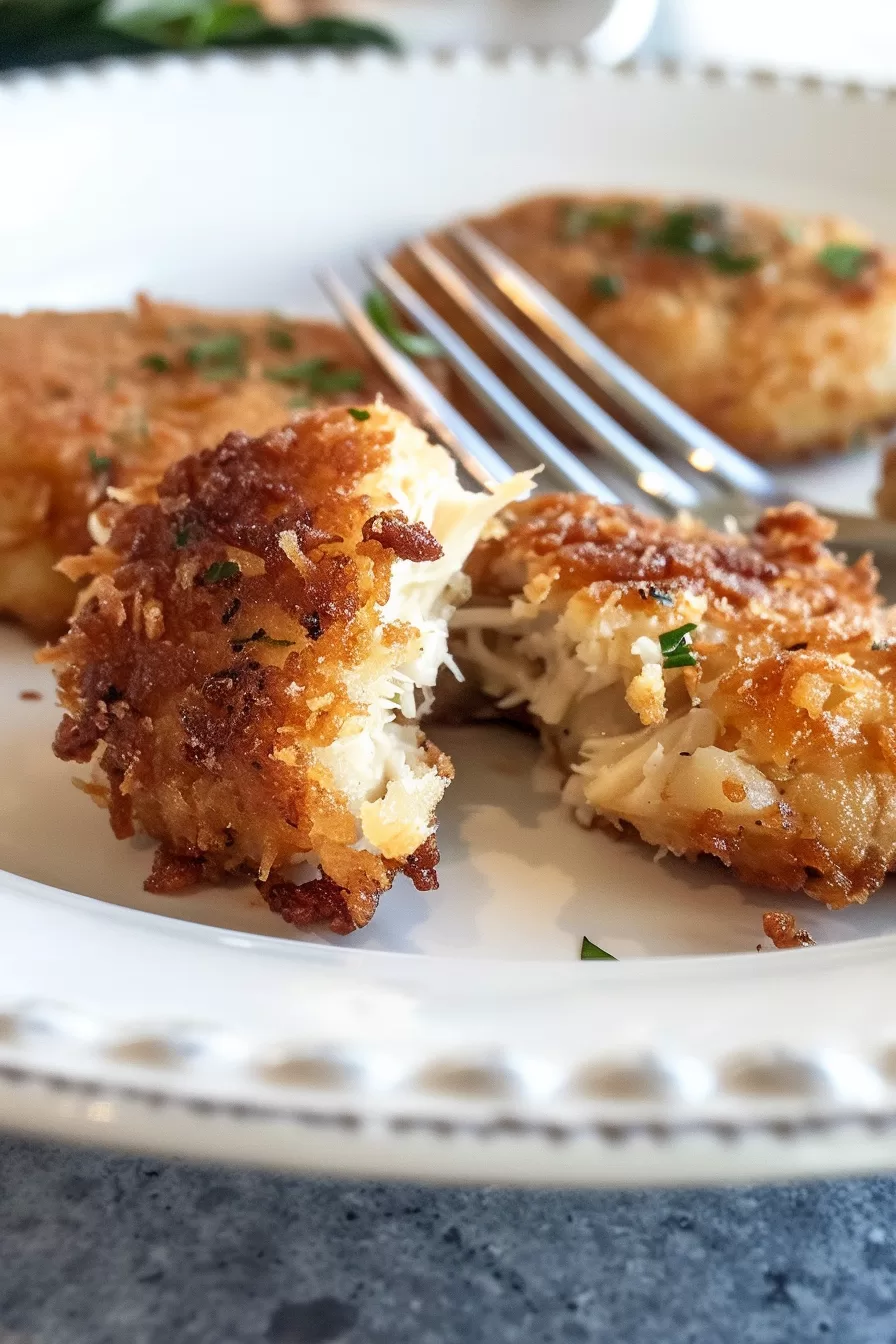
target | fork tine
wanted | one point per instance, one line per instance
(670, 426)
(516, 418)
(478, 458)
(635, 462)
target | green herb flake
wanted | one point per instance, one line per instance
(182, 537)
(727, 262)
(320, 376)
(261, 636)
(218, 356)
(577, 220)
(157, 363)
(357, 414)
(675, 646)
(384, 317)
(98, 465)
(278, 339)
(659, 595)
(845, 261)
(220, 571)
(880, 646)
(591, 952)
(607, 286)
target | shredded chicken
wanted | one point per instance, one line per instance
(724, 695)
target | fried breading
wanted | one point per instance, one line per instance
(722, 694)
(93, 400)
(777, 332)
(243, 668)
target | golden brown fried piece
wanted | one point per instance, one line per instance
(91, 400)
(723, 695)
(244, 667)
(777, 333)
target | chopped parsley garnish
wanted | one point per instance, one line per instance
(218, 356)
(845, 261)
(278, 339)
(98, 465)
(577, 220)
(182, 537)
(734, 263)
(700, 231)
(320, 376)
(675, 646)
(607, 286)
(591, 952)
(880, 645)
(220, 571)
(158, 363)
(357, 414)
(384, 317)
(261, 636)
(659, 595)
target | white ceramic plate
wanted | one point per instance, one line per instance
(458, 1035)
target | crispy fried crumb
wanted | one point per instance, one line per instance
(783, 932)
(251, 704)
(95, 406)
(775, 752)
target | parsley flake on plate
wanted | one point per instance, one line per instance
(591, 952)
(358, 414)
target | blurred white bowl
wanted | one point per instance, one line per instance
(614, 28)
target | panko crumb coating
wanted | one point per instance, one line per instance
(97, 400)
(244, 667)
(766, 737)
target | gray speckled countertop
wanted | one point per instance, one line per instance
(98, 1249)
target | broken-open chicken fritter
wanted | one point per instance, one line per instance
(245, 665)
(110, 399)
(721, 694)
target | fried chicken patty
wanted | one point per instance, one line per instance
(722, 694)
(244, 666)
(778, 333)
(109, 399)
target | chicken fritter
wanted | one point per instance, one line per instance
(244, 667)
(778, 333)
(722, 694)
(109, 399)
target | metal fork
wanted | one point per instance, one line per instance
(692, 470)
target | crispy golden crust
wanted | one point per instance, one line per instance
(219, 651)
(781, 360)
(794, 673)
(89, 400)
